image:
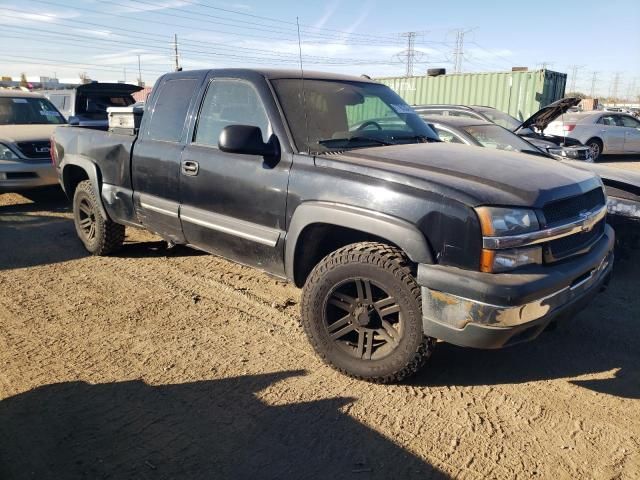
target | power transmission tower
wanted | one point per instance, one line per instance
(574, 75)
(176, 57)
(615, 86)
(545, 65)
(409, 55)
(594, 80)
(458, 50)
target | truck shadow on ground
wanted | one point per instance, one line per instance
(604, 340)
(39, 231)
(206, 429)
(31, 235)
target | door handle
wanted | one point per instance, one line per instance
(190, 168)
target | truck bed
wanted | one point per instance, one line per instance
(110, 151)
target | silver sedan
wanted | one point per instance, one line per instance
(602, 132)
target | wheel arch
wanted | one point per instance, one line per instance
(318, 228)
(77, 170)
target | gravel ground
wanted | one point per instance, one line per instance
(157, 364)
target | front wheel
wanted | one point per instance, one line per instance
(361, 310)
(100, 235)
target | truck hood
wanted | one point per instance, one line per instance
(473, 176)
(26, 133)
(543, 117)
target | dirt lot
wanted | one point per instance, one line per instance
(175, 364)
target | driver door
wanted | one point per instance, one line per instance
(233, 204)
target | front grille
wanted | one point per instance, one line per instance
(573, 244)
(570, 208)
(20, 175)
(35, 149)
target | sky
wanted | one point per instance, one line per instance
(105, 39)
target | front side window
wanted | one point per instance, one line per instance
(170, 110)
(28, 111)
(230, 102)
(329, 115)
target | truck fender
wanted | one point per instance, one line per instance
(92, 172)
(397, 231)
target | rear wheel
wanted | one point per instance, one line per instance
(361, 310)
(595, 145)
(99, 234)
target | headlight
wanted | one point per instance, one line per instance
(7, 154)
(498, 222)
(496, 261)
(559, 152)
(502, 222)
(623, 207)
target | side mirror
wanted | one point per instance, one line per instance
(247, 140)
(74, 121)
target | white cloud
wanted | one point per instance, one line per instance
(131, 6)
(17, 15)
(330, 10)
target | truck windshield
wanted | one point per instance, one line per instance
(337, 115)
(28, 111)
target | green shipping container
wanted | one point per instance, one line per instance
(518, 93)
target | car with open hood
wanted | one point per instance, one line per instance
(333, 182)
(27, 121)
(532, 129)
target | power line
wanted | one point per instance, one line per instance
(272, 57)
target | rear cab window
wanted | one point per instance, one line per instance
(168, 117)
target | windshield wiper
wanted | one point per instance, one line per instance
(417, 137)
(329, 141)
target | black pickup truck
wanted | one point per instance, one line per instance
(334, 183)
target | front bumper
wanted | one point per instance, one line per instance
(484, 310)
(18, 175)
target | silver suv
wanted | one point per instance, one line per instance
(27, 121)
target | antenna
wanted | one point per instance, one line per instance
(302, 91)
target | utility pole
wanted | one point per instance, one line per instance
(175, 52)
(124, 74)
(594, 80)
(139, 72)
